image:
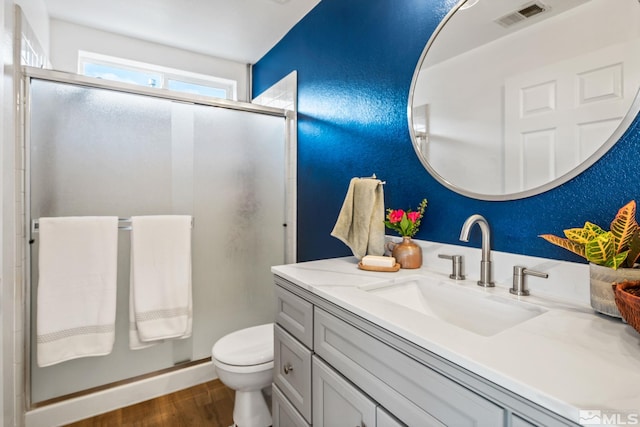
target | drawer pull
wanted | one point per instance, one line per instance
(287, 368)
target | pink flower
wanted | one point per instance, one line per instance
(396, 221)
(396, 216)
(413, 216)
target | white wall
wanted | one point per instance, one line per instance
(36, 13)
(11, 191)
(67, 39)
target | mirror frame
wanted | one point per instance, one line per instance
(627, 120)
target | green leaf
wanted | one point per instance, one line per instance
(619, 247)
(617, 260)
(567, 244)
(405, 225)
(585, 234)
(601, 249)
(421, 207)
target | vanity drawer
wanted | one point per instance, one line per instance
(413, 392)
(284, 414)
(295, 315)
(292, 371)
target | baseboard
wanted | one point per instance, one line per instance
(89, 405)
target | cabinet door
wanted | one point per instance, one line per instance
(516, 421)
(338, 403)
(292, 370)
(384, 419)
(416, 394)
(284, 414)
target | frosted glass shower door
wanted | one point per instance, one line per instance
(239, 168)
(103, 152)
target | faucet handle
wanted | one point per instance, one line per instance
(456, 265)
(519, 285)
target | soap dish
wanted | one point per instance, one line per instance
(361, 266)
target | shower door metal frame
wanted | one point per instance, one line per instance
(30, 73)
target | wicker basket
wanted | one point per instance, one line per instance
(627, 296)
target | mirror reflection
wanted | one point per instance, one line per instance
(512, 98)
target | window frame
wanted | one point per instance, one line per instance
(230, 87)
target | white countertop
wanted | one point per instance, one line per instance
(567, 359)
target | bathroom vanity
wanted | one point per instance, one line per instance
(356, 348)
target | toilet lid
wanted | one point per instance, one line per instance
(246, 347)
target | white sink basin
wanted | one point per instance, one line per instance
(472, 309)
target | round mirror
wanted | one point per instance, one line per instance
(513, 97)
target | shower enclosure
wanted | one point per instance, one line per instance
(100, 148)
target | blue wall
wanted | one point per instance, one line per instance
(355, 61)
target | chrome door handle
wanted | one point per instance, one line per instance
(287, 368)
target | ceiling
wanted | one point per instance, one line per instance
(238, 30)
(475, 26)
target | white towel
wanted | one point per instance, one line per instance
(360, 224)
(160, 305)
(76, 308)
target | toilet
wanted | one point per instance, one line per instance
(243, 361)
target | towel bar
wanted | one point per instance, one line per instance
(374, 177)
(123, 224)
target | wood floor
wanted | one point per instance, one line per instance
(209, 404)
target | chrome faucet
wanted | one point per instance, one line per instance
(485, 263)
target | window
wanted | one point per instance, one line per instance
(122, 70)
(182, 86)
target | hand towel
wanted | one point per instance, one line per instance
(76, 308)
(360, 224)
(160, 305)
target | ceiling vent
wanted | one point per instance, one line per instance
(528, 11)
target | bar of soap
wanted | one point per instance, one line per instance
(378, 261)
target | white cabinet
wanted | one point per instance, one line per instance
(293, 341)
(338, 403)
(295, 315)
(417, 395)
(292, 370)
(333, 368)
(516, 421)
(284, 414)
(385, 419)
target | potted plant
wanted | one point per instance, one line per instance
(613, 255)
(407, 253)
